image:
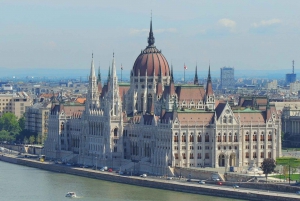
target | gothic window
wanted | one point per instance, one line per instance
(247, 154)
(230, 137)
(116, 132)
(183, 138)
(254, 155)
(206, 155)
(262, 137)
(254, 137)
(191, 156)
(206, 138)
(269, 137)
(235, 137)
(142, 102)
(230, 119)
(219, 137)
(183, 156)
(224, 138)
(199, 138)
(191, 138)
(224, 119)
(175, 138)
(176, 156)
(199, 156)
(247, 138)
(262, 154)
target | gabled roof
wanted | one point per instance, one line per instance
(190, 92)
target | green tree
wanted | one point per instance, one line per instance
(9, 122)
(5, 136)
(21, 122)
(31, 139)
(39, 138)
(268, 166)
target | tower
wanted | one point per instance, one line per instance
(209, 94)
(92, 99)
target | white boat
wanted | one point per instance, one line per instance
(71, 195)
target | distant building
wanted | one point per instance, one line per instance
(14, 103)
(294, 87)
(290, 78)
(272, 85)
(227, 78)
(36, 118)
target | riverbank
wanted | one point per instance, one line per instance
(246, 194)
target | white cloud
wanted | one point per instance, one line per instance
(141, 31)
(227, 23)
(266, 23)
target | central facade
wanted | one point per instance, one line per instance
(153, 125)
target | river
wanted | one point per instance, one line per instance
(21, 183)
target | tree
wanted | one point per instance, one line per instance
(21, 122)
(268, 166)
(31, 139)
(9, 122)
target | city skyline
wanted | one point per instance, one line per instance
(244, 35)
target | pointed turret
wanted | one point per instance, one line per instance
(209, 89)
(209, 94)
(92, 73)
(99, 75)
(172, 78)
(99, 81)
(108, 76)
(196, 81)
(151, 39)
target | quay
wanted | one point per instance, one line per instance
(174, 185)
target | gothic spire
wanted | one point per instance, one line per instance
(92, 74)
(172, 78)
(108, 77)
(151, 39)
(99, 75)
(196, 81)
(209, 90)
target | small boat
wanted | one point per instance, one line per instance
(71, 195)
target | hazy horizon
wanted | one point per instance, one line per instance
(249, 34)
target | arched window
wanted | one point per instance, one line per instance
(219, 137)
(262, 137)
(175, 138)
(149, 102)
(191, 138)
(199, 138)
(199, 156)
(230, 137)
(206, 138)
(247, 137)
(183, 138)
(235, 137)
(224, 119)
(191, 156)
(116, 132)
(224, 138)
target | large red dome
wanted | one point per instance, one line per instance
(151, 60)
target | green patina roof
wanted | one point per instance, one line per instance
(124, 84)
(246, 110)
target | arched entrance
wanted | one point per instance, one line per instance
(221, 160)
(232, 160)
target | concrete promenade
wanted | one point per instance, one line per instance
(153, 182)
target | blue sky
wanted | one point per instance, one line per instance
(245, 34)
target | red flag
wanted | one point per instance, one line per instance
(185, 67)
(121, 67)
